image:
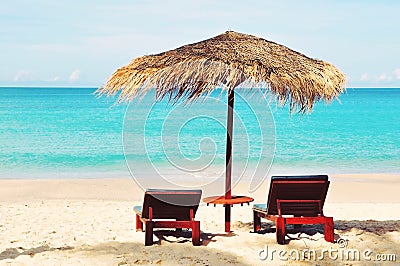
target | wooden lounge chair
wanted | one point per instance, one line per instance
(168, 209)
(295, 200)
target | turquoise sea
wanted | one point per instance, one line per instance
(71, 133)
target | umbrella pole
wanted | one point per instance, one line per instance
(228, 162)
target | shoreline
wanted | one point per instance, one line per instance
(346, 188)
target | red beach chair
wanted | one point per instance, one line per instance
(168, 209)
(295, 200)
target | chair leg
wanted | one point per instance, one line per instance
(228, 218)
(328, 229)
(139, 224)
(196, 233)
(280, 230)
(256, 222)
(149, 233)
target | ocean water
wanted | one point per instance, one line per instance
(71, 133)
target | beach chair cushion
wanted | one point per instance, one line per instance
(138, 209)
(260, 207)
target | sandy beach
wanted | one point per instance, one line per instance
(91, 222)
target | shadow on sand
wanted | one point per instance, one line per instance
(378, 228)
(372, 226)
(13, 253)
(182, 236)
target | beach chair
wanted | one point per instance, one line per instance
(295, 200)
(168, 209)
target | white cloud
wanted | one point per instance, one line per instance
(75, 75)
(384, 77)
(397, 73)
(56, 78)
(364, 77)
(22, 75)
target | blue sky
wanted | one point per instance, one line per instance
(81, 43)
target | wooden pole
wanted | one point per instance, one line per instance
(228, 160)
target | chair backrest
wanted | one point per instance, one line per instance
(171, 204)
(306, 195)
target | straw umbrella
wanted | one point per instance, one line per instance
(227, 61)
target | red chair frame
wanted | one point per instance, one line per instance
(178, 206)
(302, 203)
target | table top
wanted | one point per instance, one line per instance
(233, 200)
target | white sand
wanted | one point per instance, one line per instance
(91, 222)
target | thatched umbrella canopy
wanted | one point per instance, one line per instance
(227, 61)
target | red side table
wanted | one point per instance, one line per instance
(228, 202)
